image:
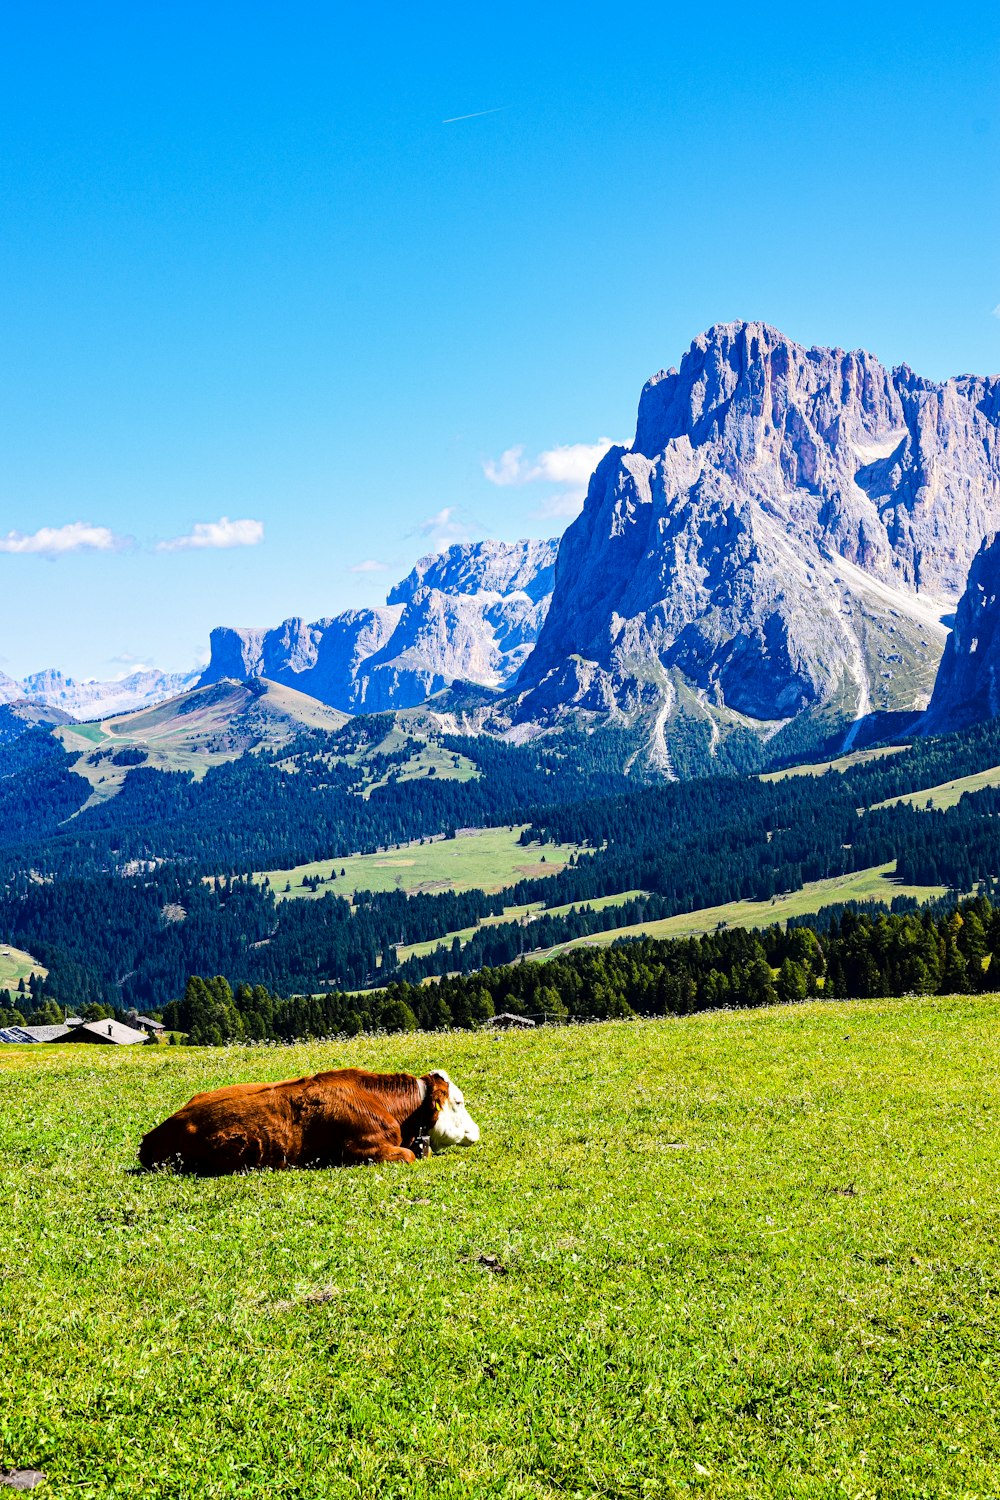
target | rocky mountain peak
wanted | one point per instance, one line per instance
(504, 568)
(471, 613)
(781, 538)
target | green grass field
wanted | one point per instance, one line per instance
(874, 884)
(747, 1255)
(948, 793)
(15, 965)
(484, 859)
(841, 763)
(510, 914)
(428, 757)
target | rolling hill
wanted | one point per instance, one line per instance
(198, 729)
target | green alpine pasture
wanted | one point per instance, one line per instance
(840, 763)
(511, 914)
(948, 793)
(743, 1254)
(15, 965)
(484, 859)
(878, 883)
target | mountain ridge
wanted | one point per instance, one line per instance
(781, 540)
(469, 614)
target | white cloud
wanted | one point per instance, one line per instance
(509, 468)
(444, 518)
(562, 507)
(57, 541)
(569, 464)
(371, 566)
(220, 534)
(446, 528)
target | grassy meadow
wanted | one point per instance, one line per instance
(484, 859)
(510, 914)
(742, 1254)
(839, 763)
(878, 883)
(15, 965)
(948, 793)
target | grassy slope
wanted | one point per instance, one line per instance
(427, 757)
(478, 859)
(194, 731)
(948, 793)
(510, 914)
(842, 763)
(875, 884)
(16, 964)
(750, 1255)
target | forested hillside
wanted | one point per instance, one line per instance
(122, 903)
(321, 794)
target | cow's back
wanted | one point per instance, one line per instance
(313, 1121)
(232, 1129)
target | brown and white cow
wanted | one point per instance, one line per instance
(343, 1118)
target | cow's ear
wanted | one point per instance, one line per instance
(440, 1089)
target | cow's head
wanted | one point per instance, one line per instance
(452, 1124)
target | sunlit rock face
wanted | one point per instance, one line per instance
(782, 537)
(470, 614)
(968, 682)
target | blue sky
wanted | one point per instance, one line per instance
(268, 321)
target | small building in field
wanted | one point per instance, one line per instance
(19, 1035)
(103, 1034)
(147, 1024)
(506, 1021)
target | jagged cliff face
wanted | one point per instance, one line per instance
(968, 682)
(501, 568)
(470, 614)
(782, 537)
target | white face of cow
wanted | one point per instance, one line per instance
(454, 1126)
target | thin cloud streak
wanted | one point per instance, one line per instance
(477, 115)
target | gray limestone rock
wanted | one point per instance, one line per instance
(470, 614)
(968, 681)
(782, 538)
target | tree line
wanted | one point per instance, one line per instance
(859, 955)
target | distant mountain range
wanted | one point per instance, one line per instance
(777, 557)
(49, 697)
(470, 614)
